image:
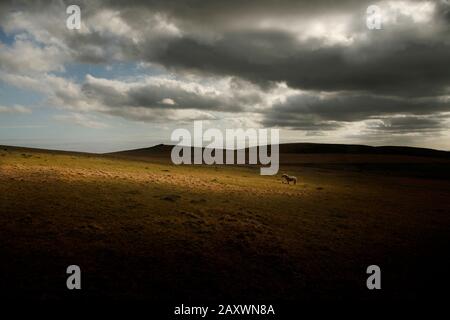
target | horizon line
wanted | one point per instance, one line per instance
(204, 147)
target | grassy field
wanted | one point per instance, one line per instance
(152, 230)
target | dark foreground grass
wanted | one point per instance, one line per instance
(143, 230)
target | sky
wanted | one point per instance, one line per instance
(137, 70)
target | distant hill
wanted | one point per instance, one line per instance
(360, 149)
(386, 160)
(311, 148)
(163, 150)
(158, 149)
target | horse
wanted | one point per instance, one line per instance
(287, 179)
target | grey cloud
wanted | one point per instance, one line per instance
(313, 111)
(409, 124)
(406, 59)
(352, 107)
(400, 67)
(153, 95)
(400, 70)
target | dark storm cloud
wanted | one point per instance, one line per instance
(313, 110)
(443, 10)
(406, 60)
(350, 107)
(410, 68)
(402, 69)
(212, 9)
(409, 124)
(300, 122)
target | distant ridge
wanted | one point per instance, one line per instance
(314, 148)
(359, 149)
(285, 148)
(385, 160)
